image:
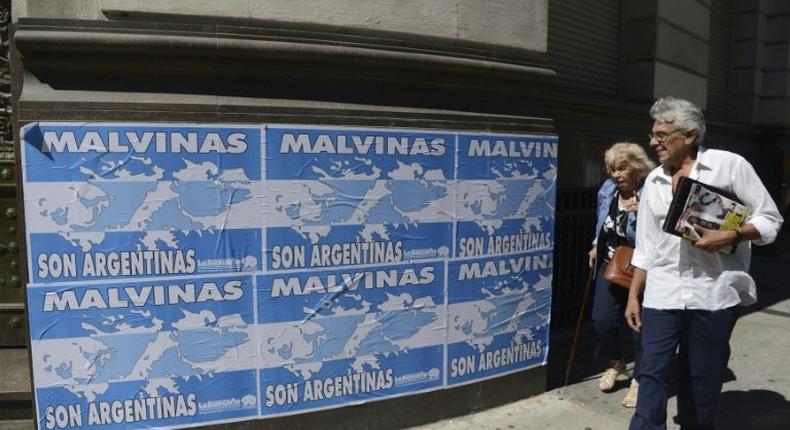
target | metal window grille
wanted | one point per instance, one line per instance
(574, 231)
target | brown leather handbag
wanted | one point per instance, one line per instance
(619, 271)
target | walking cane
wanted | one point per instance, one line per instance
(579, 320)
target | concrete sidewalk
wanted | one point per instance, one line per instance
(756, 395)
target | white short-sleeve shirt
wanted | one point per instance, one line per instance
(681, 276)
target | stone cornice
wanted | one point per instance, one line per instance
(40, 40)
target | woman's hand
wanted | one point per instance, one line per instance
(591, 256)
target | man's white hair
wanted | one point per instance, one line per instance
(683, 114)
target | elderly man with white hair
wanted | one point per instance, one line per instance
(690, 290)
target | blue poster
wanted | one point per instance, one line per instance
(195, 274)
(499, 286)
(161, 353)
(106, 201)
(334, 337)
(498, 315)
(505, 176)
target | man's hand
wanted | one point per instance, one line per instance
(633, 314)
(633, 309)
(714, 240)
(591, 256)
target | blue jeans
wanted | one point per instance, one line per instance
(704, 340)
(608, 314)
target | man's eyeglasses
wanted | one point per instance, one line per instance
(660, 137)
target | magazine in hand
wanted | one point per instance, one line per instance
(704, 205)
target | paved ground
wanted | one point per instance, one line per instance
(755, 396)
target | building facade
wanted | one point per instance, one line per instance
(586, 71)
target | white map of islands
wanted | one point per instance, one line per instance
(119, 352)
(200, 197)
(400, 324)
(506, 309)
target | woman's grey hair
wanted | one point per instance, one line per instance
(683, 114)
(632, 154)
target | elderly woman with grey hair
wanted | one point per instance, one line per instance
(627, 166)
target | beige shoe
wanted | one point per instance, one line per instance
(633, 392)
(609, 377)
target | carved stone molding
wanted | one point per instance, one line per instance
(6, 138)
